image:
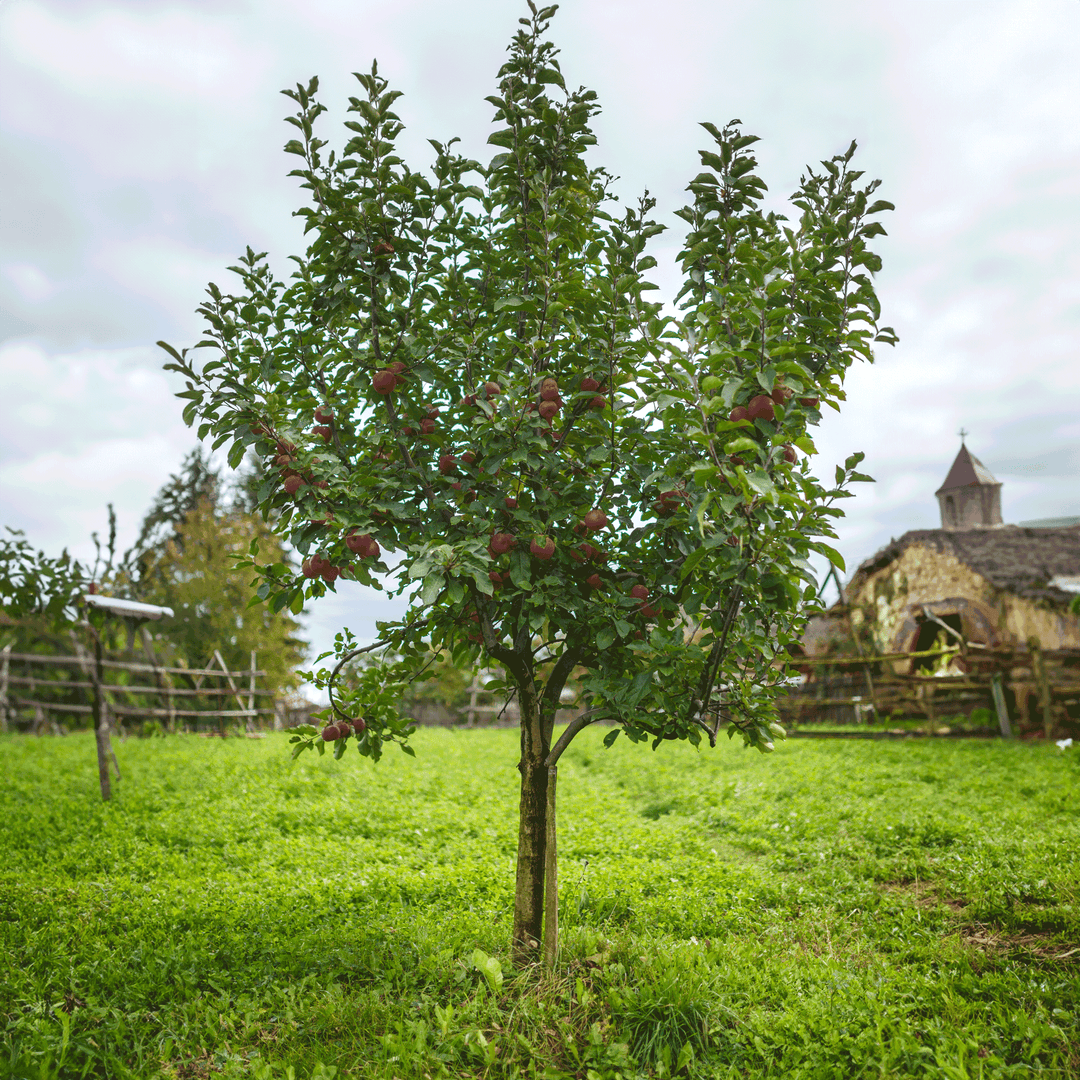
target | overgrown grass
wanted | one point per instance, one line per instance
(861, 909)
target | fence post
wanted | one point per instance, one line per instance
(163, 680)
(251, 691)
(100, 715)
(4, 665)
(999, 705)
(1038, 669)
(232, 686)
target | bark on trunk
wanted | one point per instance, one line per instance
(551, 883)
(532, 832)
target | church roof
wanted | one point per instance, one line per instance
(1032, 563)
(967, 469)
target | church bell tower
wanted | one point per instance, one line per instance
(970, 498)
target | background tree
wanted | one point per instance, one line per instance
(469, 377)
(186, 558)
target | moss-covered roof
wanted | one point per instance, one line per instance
(1012, 558)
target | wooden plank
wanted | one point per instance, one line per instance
(125, 665)
(67, 684)
(127, 710)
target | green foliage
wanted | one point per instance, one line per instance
(33, 584)
(195, 573)
(903, 909)
(437, 318)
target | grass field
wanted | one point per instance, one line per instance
(856, 910)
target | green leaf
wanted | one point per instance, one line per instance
(432, 587)
(610, 737)
(604, 638)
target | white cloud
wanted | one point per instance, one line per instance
(31, 283)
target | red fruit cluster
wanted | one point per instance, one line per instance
(595, 520)
(343, 729)
(448, 465)
(320, 566)
(362, 544)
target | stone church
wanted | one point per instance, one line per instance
(999, 585)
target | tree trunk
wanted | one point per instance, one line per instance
(532, 832)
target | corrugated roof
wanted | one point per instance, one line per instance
(967, 469)
(1012, 558)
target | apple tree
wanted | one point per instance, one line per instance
(465, 395)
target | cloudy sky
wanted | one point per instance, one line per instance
(140, 151)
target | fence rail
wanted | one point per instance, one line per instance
(1030, 687)
(251, 700)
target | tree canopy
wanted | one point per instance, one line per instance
(465, 394)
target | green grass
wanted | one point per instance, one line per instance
(841, 910)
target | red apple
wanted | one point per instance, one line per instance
(469, 399)
(589, 384)
(789, 454)
(809, 402)
(501, 542)
(293, 483)
(385, 382)
(322, 485)
(576, 555)
(326, 432)
(599, 402)
(648, 611)
(781, 393)
(542, 547)
(761, 408)
(324, 414)
(468, 457)
(548, 409)
(595, 519)
(733, 541)
(427, 426)
(359, 544)
(511, 502)
(448, 465)
(330, 573)
(594, 581)
(382, 248)
(397, 367)
(408, 432)
(492, 389)
(308, 570)
(495, 578)
(549, 390)
(639, 592)
(330, 733)
(359, 725)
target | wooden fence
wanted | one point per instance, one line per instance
(1029, 688)
(36, 689)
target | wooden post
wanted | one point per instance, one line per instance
(1038, 669)
(999, 705)
(232, 686)
(551, 879)
(101, 717)
(474, 691)
(163, 681)
(251, 691)
(4, 665)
